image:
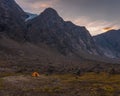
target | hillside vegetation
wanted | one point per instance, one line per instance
(85, 84)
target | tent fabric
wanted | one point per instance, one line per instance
(35, 74)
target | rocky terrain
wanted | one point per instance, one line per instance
(109, 43)
(51, 29)
(12, 20)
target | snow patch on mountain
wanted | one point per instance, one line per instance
(30, 16)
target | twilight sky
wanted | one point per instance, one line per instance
(97, 15)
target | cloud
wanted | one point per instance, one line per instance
(95, 26)
(36, 6)
(108, 28)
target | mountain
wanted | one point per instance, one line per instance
(109, 43)
(48, 28)
(45, 42)
(51, 29)
(12, 20)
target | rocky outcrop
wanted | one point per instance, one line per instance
(12, 20)
(51, 29)
(109, 43)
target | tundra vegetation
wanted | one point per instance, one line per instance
(86, 84)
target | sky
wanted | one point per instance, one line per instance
(97, 16)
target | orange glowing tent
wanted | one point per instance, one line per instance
(35, 74)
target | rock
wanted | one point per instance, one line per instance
(109, 43)
(51, 29)
(12, 20)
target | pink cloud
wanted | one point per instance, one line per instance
(94, 26)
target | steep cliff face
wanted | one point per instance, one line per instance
(12, 20)
(109, 43)
(51, 29)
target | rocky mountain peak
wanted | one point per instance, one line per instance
(50, 15)
(50, 11)
(65, 36)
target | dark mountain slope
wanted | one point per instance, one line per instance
(109, 43)
(52, 30)
(26, 57)
(12, 20)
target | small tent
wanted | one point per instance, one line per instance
(35, 74)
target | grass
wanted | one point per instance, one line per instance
(90, 84)
(95, 84)
(1, 84)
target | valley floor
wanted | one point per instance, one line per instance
(87, 84)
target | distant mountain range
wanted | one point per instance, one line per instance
(109, 43)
